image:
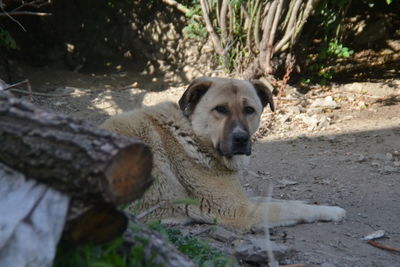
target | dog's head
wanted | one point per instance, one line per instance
(226, 112)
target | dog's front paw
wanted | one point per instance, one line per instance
(329, 213)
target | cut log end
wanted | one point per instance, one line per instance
(100, 224)
(129, 174)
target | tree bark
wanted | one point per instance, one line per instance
(83, 223)
(85, 162)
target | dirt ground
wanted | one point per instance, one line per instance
(346, 155)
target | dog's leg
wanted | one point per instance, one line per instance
(291, 212)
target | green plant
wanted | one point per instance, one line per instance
(338, 50)
(6, 40)
(198, 250)
(194, 29)
(90, 255)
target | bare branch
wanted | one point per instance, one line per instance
(35, 4)
(19, 13)
(214, 37)
(223, 14)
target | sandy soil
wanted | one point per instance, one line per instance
(353, 161)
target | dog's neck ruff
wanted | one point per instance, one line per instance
(175, 123)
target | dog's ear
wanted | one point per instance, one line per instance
(264, 92)
(193, 94)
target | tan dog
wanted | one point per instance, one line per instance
(199, 149)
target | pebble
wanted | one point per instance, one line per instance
(311, 122)
(375, 235)
(361, 158)
(375, 164)
(389, 156)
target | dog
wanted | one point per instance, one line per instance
(200, 146)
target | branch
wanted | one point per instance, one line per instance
(214, 37)
(272, 34)
(35, 4)
(10, 87)
(223, 14)
(19, 13)
(382, 246)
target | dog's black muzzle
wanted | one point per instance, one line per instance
(241, 144)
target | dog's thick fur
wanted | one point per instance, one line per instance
(199, 148)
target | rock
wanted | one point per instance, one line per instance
(323, 122)
(389, 156)
(362, 105)
(375, 164)
(394, 44)
(293, 110)
(312, 122)
(284, 118)
(375, 235)
(326, 102)
(286, 182)
(255, 250)
(223, 235)
(387, 170)
(361, 158)
(396, 163)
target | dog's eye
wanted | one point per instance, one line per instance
(249, 110)
(221, 109)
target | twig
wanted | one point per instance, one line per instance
(328, 94)
(19, 13)
(382, 246)
(38, 93)
(35, 4)
(10, 17)
(151, 209)
(26, 82)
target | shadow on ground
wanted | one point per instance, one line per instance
(358, 171)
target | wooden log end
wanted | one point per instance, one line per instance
(129, 174)
(99, 224)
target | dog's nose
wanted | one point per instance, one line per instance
(240, 137)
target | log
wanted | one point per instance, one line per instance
(83, 224)
(94, 224)
(72, 156)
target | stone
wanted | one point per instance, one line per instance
(389, 156)
(311, 122)
(361, 158)
(323, 123)
(255, 250)
(396, 163)
(293, 110)
(375, 164)
(375, 235)
(387, 170)
(223, 235)
(326, 102)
